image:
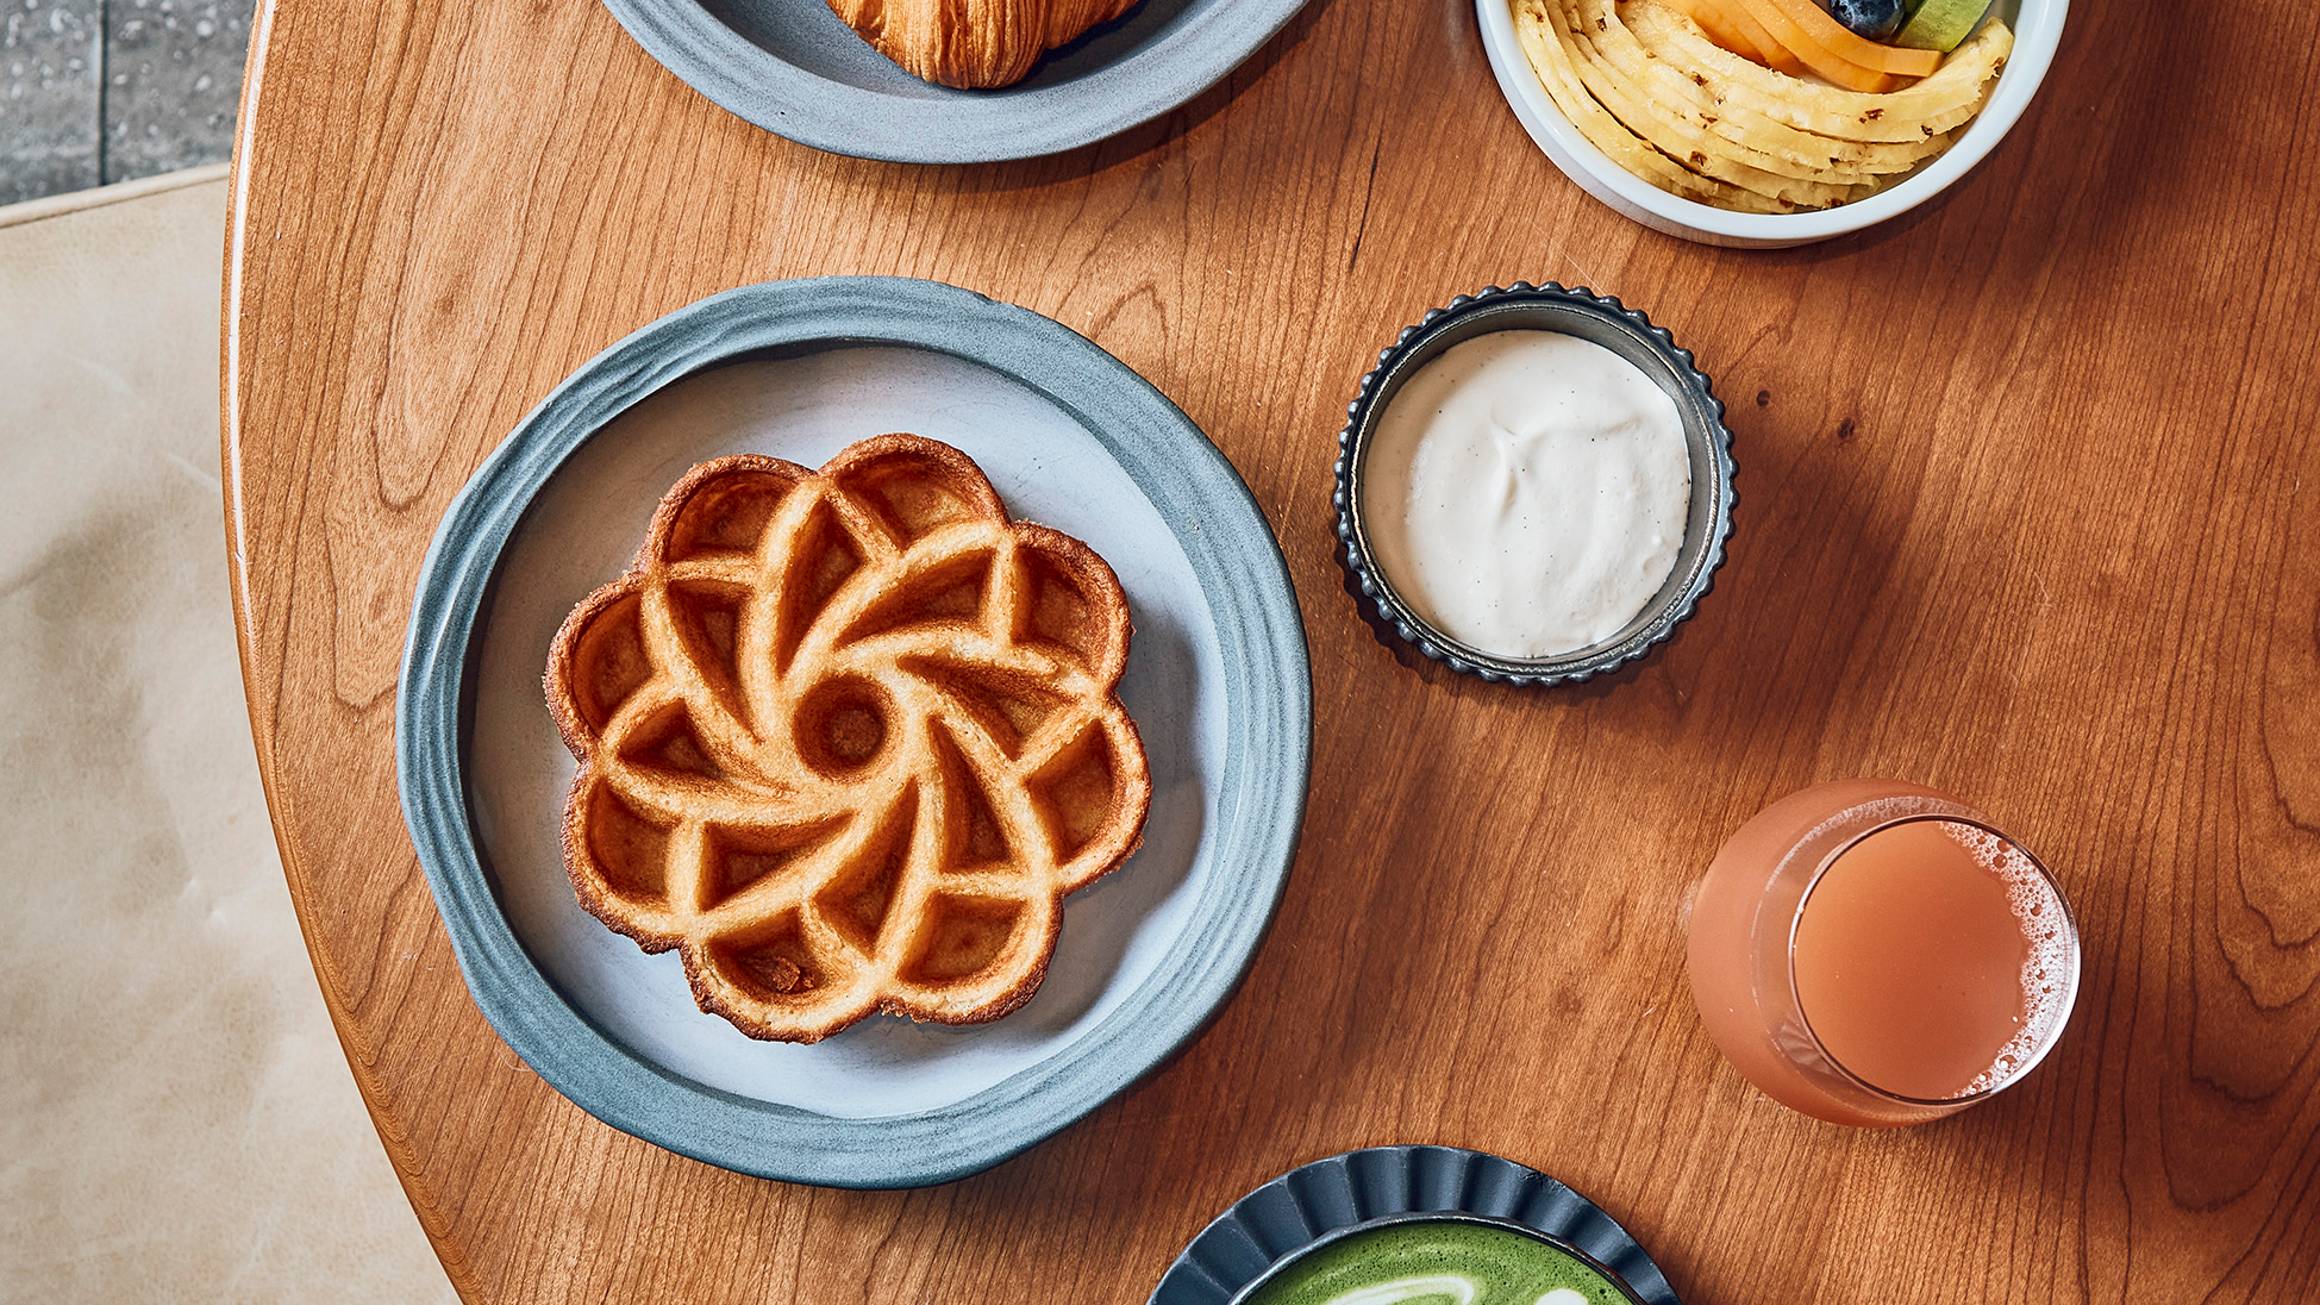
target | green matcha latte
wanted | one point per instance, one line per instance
(1438, 1262)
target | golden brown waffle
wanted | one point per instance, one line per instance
(973, 43)
(846, 738)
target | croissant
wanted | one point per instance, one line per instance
(973, 44)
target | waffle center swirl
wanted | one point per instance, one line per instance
(847, 738)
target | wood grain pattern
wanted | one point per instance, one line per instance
(2029, 509)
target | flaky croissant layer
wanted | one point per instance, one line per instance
(973, 44)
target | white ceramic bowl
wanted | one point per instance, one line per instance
(2037, 28)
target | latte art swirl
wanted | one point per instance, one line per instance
(1446, 1288)
(1439, 1262)
(1451, 1289)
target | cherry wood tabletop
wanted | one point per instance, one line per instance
(2029, 510)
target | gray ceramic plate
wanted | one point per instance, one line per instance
(1216, 679)
(793, 68)
(1318, 1203)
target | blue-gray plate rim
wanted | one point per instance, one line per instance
(1156, 58)
(1267, 745)
(1331, 1197)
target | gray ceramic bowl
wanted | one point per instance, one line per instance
(793, 68)
(1317, 1204)
(1624, 331)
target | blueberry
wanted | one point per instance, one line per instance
(1871, 18)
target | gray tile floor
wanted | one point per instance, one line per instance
(97, 91)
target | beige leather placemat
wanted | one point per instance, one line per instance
(176, 1122)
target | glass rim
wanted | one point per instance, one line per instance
(2045, 1043)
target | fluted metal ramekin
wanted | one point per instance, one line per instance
(1626, 332)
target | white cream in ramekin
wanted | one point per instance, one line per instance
(1527, 492)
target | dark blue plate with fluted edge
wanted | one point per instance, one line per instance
(1217, 848)
(1317, 1204)
(1626, 332)
(793, 68)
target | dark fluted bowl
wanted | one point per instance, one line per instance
(1626, 332)
(1317, 1204)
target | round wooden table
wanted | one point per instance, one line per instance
(2029, 509)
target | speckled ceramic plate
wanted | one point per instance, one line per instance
(1216, 679)
(1319, 1203)
(793, 68)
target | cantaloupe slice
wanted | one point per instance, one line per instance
(1850, 45)
(1721, 29)
(1797, 23)
(1775, 55)
(1824, 62)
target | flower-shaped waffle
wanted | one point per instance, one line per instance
(847, 738)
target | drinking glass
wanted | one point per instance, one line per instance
(1849, 960)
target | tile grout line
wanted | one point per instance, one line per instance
(102, 63)
(64, 203)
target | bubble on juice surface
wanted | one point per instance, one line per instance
(2046, 987)
(1863, 816)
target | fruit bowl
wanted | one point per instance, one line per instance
(2037, 28)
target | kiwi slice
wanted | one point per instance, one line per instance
(1941, 24)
